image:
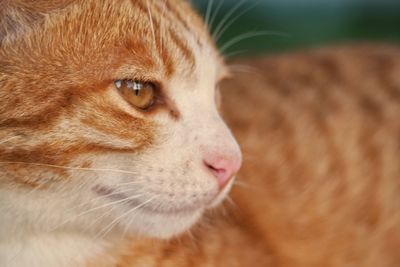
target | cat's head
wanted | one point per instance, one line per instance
(108, 111)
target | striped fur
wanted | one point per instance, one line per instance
(320, 184)
(319, 130)
(80, 166)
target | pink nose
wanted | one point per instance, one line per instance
(223, 167)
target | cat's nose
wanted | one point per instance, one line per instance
(223, 166)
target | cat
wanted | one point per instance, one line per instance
(319, 132)
(109, 127)
(320, 185)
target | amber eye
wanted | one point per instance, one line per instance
(137, 93)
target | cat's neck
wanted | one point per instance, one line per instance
(21, 244)
(26, 242)
(49, 250)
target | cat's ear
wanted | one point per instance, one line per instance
(18, 16)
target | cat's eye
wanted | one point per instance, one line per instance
(139, 94)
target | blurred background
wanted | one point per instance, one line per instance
(248, 27)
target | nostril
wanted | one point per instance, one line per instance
(222, 169)
(220, 173)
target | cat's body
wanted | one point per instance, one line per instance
(320, 134)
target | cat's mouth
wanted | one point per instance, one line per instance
(136, 203)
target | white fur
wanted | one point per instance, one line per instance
(61, 250)
(54, 227)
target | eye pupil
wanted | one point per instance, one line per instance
(137, 86)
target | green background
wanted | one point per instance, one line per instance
(298, 24)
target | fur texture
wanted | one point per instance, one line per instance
(320, 182)
(320, 136)
(76, 159)
(319, 185)
(319, 130)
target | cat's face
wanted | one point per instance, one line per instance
(123, 94)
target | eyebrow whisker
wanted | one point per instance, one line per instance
(68, 167)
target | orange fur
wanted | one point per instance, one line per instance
(320, 185)
(320, 132)
(27, 51)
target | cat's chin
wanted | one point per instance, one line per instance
(170, 223)
(164, 225)
(158, 219)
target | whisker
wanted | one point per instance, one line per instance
(151, 23)
(69, 167)
(111, 203)
(235, 53)
(127, 226)
(208, 12)
(37, 188)
(128, 183)
(45, 184)
(98, 219)
(233, 20)
(97, 208)
(226, 18)
(230, 201)
(247, 186)
(162, 25)
(114, 193)
(117, 192)
(247, 35)
(192, 238)
(214, 15)
(108, 228)
(244, 68)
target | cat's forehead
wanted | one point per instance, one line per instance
(162, 38)
(172, 37)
